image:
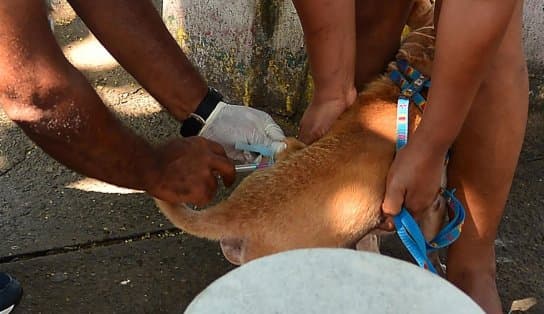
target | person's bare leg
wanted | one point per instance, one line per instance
(483, 163)
(379, 26)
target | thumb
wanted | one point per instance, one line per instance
(271, 128)
(278, 147)
(274, 132)
(394, 197)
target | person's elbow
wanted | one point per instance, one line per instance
(29, 101)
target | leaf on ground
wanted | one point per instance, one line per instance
(523, 305)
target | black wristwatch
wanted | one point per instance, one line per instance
(192, 125)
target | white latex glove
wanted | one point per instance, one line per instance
(230, 124)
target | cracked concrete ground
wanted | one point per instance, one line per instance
(79, 246)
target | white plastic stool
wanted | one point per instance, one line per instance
(331, 281)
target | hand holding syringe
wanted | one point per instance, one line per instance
(265, 160)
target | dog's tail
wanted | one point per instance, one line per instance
(211, 223)
(219, 221)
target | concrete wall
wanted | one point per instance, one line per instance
(253, 51)
(533, 35)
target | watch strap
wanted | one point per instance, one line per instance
(192, 125)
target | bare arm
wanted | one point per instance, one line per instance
(469, 34)
(133, 32)
(329, 31)
(56, 107)
(136, 36)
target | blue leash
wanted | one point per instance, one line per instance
(411, 236)
(407, 228)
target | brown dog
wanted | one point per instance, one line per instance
(328, 194)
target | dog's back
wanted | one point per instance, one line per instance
(325, 194)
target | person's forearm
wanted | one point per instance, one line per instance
(71, 124)
(329, 31)
(469, 34)
(133, 32)
(58, 109)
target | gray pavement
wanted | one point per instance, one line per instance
(157, 275)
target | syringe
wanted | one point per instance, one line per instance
(250, 167)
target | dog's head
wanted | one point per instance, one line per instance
(418, 49)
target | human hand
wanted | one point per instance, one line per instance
(318, 119)
(414, 180)
(187, 171)
(229, 124)
(321, 114)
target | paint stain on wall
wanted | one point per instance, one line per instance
(252, 51)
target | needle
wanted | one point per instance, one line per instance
(250, 167)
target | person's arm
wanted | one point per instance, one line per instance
(56, 107)
(329, 32)
(133, 32)
(468, 36)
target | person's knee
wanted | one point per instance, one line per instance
(467, 276)
(476, 259)
(481, 265)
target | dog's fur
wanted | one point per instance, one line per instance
(328, 194)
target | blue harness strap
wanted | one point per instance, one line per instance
(411, 236)
(451, 232)
(411, 72)
(411, 90)
(407, 228)
(403, 104)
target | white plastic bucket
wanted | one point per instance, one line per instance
(331, 281)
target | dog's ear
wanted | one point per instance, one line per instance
(293, 145)
(232, 249)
